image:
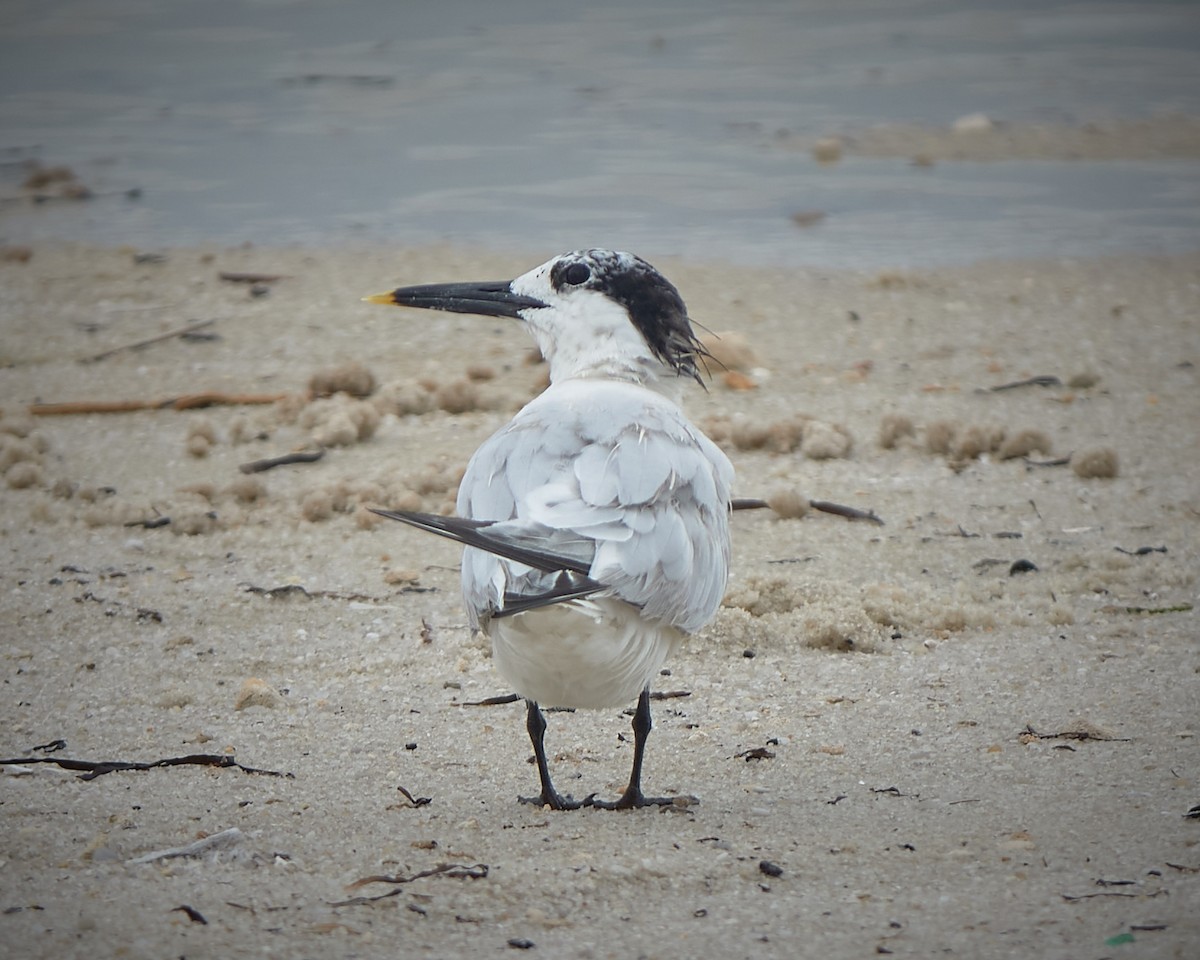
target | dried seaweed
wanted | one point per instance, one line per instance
(473, 871)
(93, 769)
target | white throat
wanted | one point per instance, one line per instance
(588, 336)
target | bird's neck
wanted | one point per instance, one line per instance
(606, 347)
(641, 370)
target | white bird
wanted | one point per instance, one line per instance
(596, 522)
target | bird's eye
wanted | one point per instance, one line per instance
(576, 274)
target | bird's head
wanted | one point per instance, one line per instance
(593, 313)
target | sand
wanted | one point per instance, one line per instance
(970, 731)
(978, 137)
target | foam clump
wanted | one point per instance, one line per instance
(730, 351)
(350, 378)
(340, 421)
(1023, 443)
(788, 504)
(825, 441)
(257, 693)
(403, 398)
(893, 428)
(1100, 463)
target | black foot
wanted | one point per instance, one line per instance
(633, 800)
(555, 801)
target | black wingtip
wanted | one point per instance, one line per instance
(473, 533)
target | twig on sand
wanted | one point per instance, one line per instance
(825, 506)
(300, 456)
(231, 276)
(138, 344)
(492, 701)
(850, 513)
(1046, 380)
(189, 401)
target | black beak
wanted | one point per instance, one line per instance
(487, 299)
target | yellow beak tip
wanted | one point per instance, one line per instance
(387, 298)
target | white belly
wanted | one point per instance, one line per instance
(589, 653)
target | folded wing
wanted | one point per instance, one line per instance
(619, 490)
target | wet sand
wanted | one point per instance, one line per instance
(970, 730)
(983, 139)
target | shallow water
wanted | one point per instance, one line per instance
(542, 126)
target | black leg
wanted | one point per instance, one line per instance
(535, 723)
(633, 796)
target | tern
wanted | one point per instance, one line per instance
(596, 522)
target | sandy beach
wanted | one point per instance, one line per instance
(968, 731)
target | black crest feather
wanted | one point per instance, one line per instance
(653, 303)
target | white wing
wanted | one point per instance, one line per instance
(610, 472)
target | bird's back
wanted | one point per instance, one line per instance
(612, 473)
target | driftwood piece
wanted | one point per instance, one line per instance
(300, 456)
(189, 401)
(232, 276)
(825, 506)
